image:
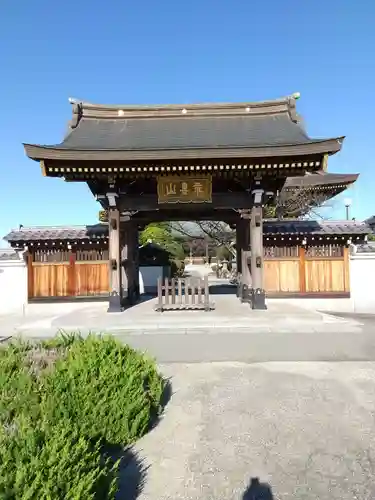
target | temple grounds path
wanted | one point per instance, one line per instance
(307, 429)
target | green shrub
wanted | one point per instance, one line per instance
(62, 404)
(107, 389)
(54, 463)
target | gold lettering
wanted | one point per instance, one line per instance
(198, 188)
(184, 188)
(170, 189)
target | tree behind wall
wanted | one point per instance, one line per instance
(161, 234)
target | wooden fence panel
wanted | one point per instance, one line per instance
(325, 275)
(91, 278)
(49, 279)
(184, 293)
(57, 273)
(282, 275)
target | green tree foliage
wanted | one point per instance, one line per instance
(161, 234)
(62, 404)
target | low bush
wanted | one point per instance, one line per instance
(63, 405)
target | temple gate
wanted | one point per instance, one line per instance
(228, 162)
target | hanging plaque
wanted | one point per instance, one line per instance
(185, 189)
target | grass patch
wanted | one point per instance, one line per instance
(64, 404)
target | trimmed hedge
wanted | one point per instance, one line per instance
(63, 405)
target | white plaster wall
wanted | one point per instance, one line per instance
(362, 282)
(13, 286)
(148, 278)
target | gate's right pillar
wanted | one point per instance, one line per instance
(258, 295)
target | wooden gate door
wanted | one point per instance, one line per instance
(91, 273)
(282, 269)
(48, 273)
(62, 273)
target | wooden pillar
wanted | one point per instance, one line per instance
(257, 258)
(115, 285)
(72, 273)
(30, 275)
(346, 269)
(242, 241)
(136, 260)
(302, 269)
(129, 264)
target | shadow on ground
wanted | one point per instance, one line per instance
(362, 317)
(132, 468)
(164, 400)
(223, 289)
(258, 491)
(132, 474)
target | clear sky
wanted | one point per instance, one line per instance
(178, 52)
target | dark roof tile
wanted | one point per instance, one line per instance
(199, 127)
(320, 179)
(371, 220)
(316, 227)
(368, 247)
(180, 133)
(8, 254)
(274, 227)
(66, 233)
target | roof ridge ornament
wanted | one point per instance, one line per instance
(292, 106)
(77, 112)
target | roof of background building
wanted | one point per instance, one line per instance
(8, 254)
(316, 227)
(368, 247)
(270, 227)
(371, 220)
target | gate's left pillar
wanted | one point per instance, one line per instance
(129, 261)
(115, 285)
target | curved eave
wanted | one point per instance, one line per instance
(328, 146)
(319, 181)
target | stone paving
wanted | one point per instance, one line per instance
(305, 429)
(229, 316)
(253, 395)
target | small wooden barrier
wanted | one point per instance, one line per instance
(183, 294)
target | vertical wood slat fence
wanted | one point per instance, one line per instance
(62, 273)
(323, 269)
(183, 293)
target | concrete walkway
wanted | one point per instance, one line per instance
(306, 429)
(229, 316)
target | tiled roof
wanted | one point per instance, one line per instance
(48, 233)
(321, 180)
(371, 220)
(136, 130)
(274, 227)
(8, 254)
(368, 247)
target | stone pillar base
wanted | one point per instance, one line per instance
(114, 304)
(244, 293)
(258, 299)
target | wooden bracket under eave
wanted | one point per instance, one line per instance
(43, 168)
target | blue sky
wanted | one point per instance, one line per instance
(178, 52)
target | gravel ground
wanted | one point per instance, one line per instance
(305, 429)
